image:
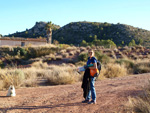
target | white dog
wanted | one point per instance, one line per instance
(11, 91)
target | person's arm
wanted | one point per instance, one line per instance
(93, 67)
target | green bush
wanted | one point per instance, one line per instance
(103, 58)
(20, 51)
(143, 67)
(34, 52)
(83, 57)
(83, 43)
(126, 62)
(1, 64)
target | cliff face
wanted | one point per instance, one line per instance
(38, 29)
(75, 32)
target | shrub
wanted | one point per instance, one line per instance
(80, 63)
(142, 67)
(20, 51)
(114, 70)
(1, 64)
(62, 75)
(83, 43)
(18, 78)
(12, 77)
(64, 46)
(83, 57)
(141, 103)
(39, 51)
(102, 73)
(102, 57)
(128, 63)
(39, 65)
(65, 55)
(31, 77)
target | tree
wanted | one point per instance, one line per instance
(132, 43)
(140, 41)
(96, 42)
(49, 25)
(107, 43)
(84, 43)
(90, 39)
(101, 28)
(95, 37)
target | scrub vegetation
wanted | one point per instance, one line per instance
(25, 66)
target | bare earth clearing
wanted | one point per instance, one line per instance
(112, 96)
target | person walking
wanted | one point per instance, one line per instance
(88, 80)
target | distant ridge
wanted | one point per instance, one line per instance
(75, 32)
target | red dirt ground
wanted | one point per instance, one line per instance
(112, 97)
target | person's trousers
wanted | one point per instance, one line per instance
(92, 90)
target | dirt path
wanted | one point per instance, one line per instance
(112, 95)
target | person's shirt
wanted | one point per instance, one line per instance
(91, 60)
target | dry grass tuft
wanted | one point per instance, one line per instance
(114, 70)
(141, 103)
(142, 66)
(18, 77)
(62, 75)
(11, 77)
(30, 77)
(40, 65)
(102, 74)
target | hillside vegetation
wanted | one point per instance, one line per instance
(119, 33)
(76, 32)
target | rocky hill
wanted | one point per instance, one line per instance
(119, 33)
(39, 29)
(75, 32)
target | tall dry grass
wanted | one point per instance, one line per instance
(28, 77)
(113, 70)
(142, 66)
(11, 77)
(141, 103)
(127, 63)
(31, 77)
(62, 75)
(39, 65)
(18, 77)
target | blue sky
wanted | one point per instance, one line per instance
(19, 15)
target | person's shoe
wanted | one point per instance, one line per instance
(85, 101)
(92, 102)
